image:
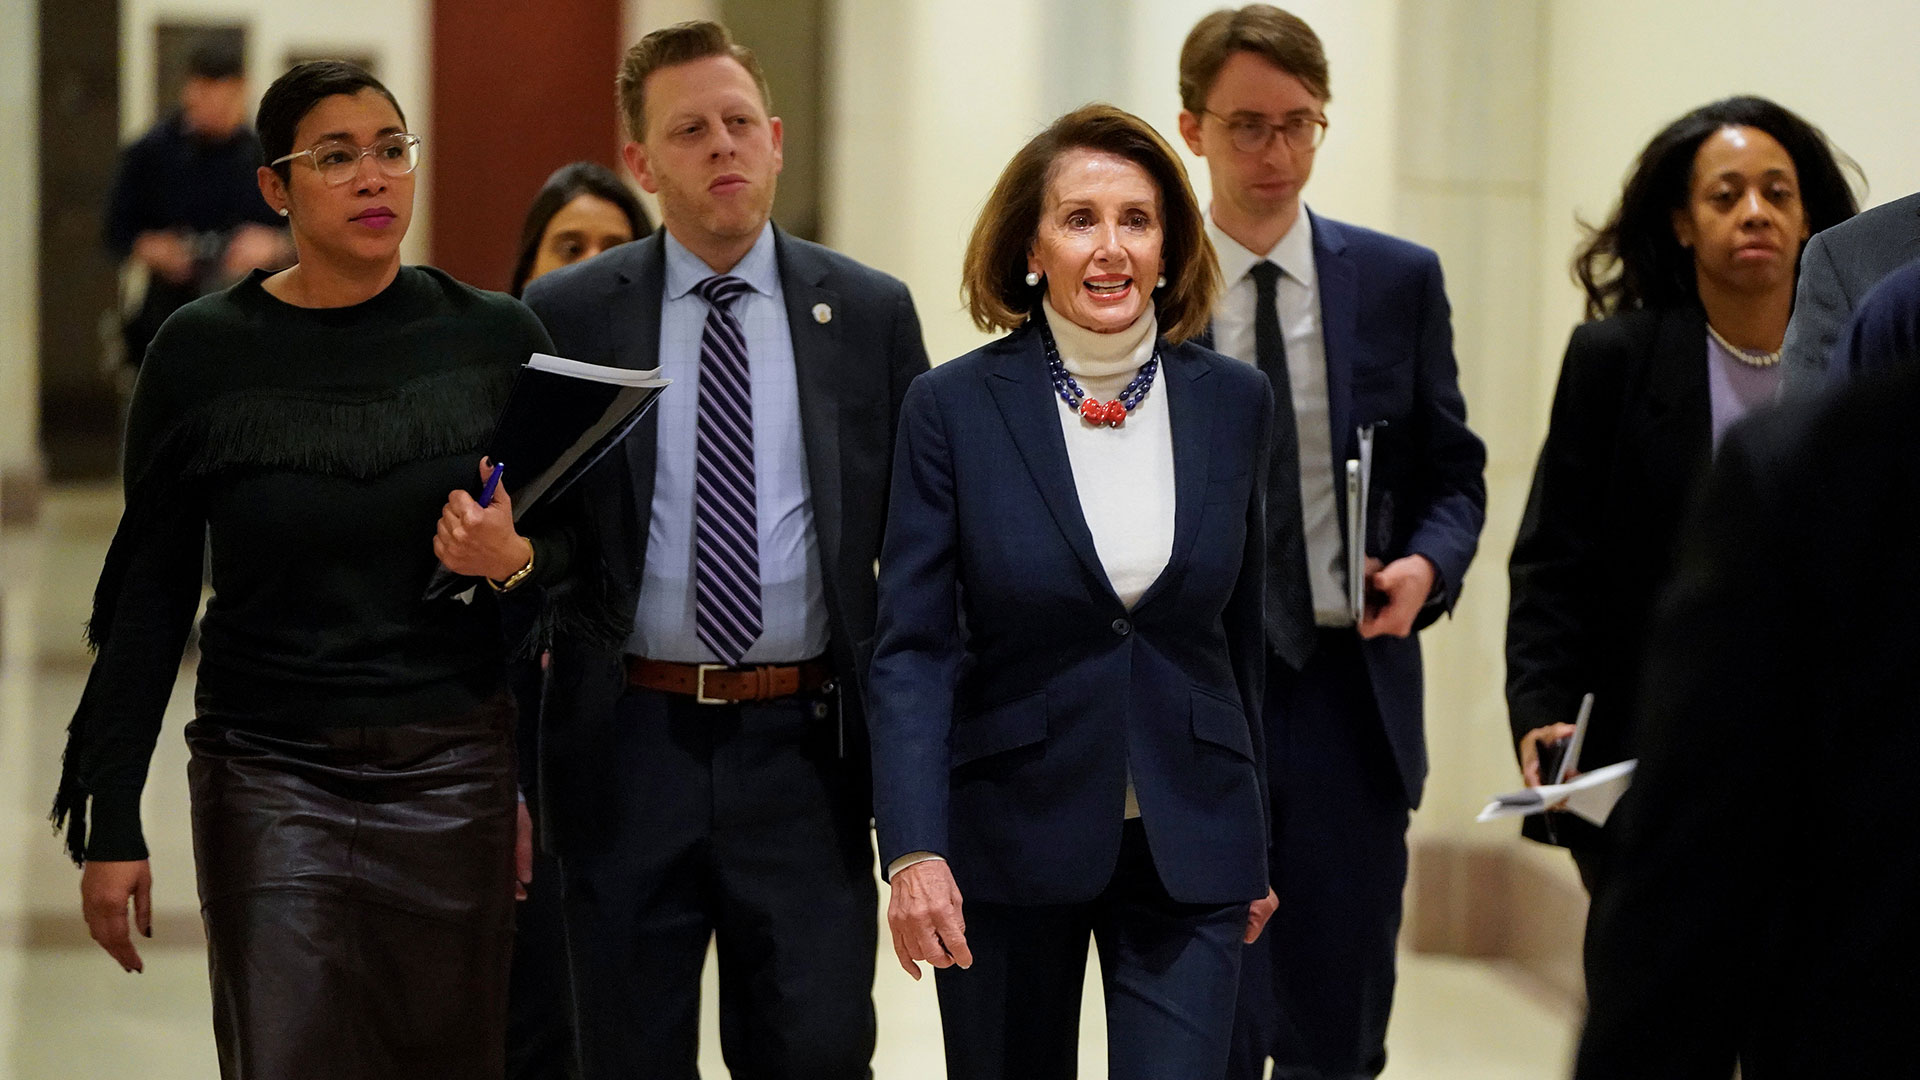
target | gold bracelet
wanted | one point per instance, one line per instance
(514, 579)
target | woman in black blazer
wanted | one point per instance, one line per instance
(1064, 694)
(1689, 287)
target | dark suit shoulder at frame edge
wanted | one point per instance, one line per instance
(1629, 336)
(1238, 377)
(588, 280)
(1009, 348)
(1372, 244)
(1867, 230)
(842, 273)
(1845, 428)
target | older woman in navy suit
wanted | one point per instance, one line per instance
(1063, 693)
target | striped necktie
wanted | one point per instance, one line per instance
(726, 532)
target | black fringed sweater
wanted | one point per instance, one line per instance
(311, 450)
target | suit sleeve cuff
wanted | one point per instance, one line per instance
(909, 859)
(113, 826)
(1439, 597)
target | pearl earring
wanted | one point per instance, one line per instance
(283, 211)
(1162, 283)
(1033, 277)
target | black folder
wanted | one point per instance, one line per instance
(561, 417)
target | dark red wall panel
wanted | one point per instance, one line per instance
(520, 88)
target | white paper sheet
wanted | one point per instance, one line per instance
(1591, 796)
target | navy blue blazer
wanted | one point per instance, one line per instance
(1389, 344)
(853, 370)
(1011, 691)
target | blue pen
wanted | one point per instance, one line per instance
(493, 481)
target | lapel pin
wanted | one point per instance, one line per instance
(822, 314)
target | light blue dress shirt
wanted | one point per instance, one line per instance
(792, 593)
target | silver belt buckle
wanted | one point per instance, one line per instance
(700, 686)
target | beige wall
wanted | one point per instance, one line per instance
(1468, 185)
(932, 98)
(396, 33)
(19, 237)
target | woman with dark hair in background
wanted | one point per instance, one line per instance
(1689, 288)
(352, 757)
(582, 210)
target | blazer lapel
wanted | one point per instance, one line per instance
(1679, 402)
(1024, 393)
(633, 310)
(816, 343)
(1340, 339)
(1180, 376)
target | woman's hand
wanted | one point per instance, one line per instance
(105, 888)
(1258, 913)
(522, 851)
(924, 914)
(480, 541)
(1530, 750)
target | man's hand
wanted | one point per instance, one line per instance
(924, 915)
(1258, 913)
(105, 888)
(480, 541)
(166, 254)
(1406, 583)
(1530, 751)
(522, 852)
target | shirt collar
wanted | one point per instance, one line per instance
(1293, 254)
(758, 267)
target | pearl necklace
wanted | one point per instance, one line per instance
(1098, 413)
(1745, 356)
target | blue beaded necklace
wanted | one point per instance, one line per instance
(1098, 413)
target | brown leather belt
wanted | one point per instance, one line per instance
(718, 684)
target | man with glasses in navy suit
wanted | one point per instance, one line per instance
(1352, 328)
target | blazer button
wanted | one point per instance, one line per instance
(1122, 627)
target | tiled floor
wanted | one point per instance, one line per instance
(68, 1013)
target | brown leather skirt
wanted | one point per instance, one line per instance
(357, 889)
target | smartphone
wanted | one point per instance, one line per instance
(1551, 755)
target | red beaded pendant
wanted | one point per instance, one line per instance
(1116, 413)
(1093, 412)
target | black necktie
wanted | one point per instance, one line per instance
(1290, 630)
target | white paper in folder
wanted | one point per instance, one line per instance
(1591, 796)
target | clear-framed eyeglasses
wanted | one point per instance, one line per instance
(1252, 134)
(338, 162)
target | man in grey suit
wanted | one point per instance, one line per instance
(1837, 267)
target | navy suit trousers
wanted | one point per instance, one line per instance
(1316, 989)
(1169, 969)
(743, 825)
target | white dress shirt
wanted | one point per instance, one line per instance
(1297, 296)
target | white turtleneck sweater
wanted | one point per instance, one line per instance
(1124, 475)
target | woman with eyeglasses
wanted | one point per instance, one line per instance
(1689, 287)
(351, 767)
